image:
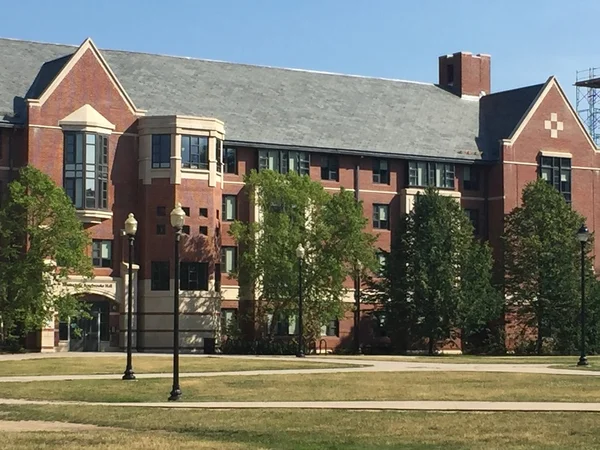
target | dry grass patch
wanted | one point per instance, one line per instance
(312, 430)
(81, 365)
(111, 440)
(322, 387)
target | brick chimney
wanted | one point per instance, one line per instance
(465, 74)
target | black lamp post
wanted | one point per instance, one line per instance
(300, 254)
(130, 230)
(177, 222)
(582, 236)
(357, 283)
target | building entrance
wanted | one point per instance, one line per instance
(91, 334)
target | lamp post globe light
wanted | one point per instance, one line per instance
(357, 308)
(582, 236)
(177, 222)
(300, 252)
(130, 230)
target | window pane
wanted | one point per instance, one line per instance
(421, 174)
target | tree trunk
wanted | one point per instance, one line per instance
(538, 344)
(431, 345)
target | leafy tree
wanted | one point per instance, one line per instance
(542, 263)
(38, 225)
(480, 303)
(295, 210)
(438, 277)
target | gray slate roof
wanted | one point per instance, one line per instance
(275, 106)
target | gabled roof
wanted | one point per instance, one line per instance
(501, 113)
(286, 107)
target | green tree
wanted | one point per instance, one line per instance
(542, 264)
(295, 210)
(38, 225)
(438, 277)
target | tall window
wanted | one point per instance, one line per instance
(219, 152)
(284, 161)
(557, 172)
(440, 175)
(160, 276)
(473, 215)
(228, 259)
(228, 318)
(380, 216)
(230, 160)
(329, 167)
(381, 172)
(101, 253)
(229, 208)
(194, 276)
(194, 152)
(471, 178)
(381, 262)
(161, 151)
(86, 170)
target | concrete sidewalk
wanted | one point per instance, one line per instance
(351, 405)
(371, 365)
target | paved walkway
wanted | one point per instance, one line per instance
(370, 365)
(352, 405)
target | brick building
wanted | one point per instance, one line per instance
(131, 132)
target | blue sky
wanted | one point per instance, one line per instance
(529, 40)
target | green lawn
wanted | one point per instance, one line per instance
(304, 430)
(473, 359)
(79, 365)
(337, 386)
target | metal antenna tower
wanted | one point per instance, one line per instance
(587, 86)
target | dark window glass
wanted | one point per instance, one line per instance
(161, 151)
(471, 178)
(1, 146)
(185, 229)
(203, 212)
(230, 160)
(284, 161)
(332, 328)
(161, 229)
(160, 276)
(285, 326)
(557, 172)
(218, 277)
(204, 231)
(161, 211)
(101, 253)
(63, 331)
(473, 215)
(381, 172)
(186, 210)
(194, 276)
(381, 216)
(422, 174)
(194, 152)
(329, 167)
(86, 170)
(229, 208)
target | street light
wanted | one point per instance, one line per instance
(300, 254)
(582, 236)
(357, 283)
(130, 230)
(177, 222)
